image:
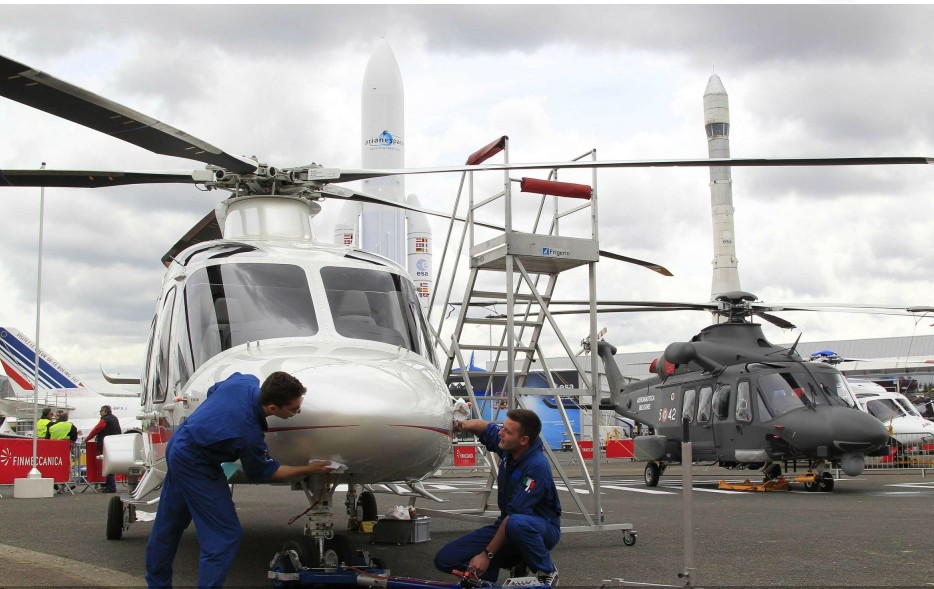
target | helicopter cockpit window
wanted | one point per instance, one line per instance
(228, 305)
(375, 305)
(703, 405)
(780, 393)
(721, 402)
(834, 384)
(884, 409)
(687, 405)
(743, 403)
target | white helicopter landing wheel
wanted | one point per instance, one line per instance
(652, 473)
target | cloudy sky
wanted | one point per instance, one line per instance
(283, 83)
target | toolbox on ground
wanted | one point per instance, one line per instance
(401, 531)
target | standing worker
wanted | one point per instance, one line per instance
(109, 425)
(529, 523)
(63, 429)
(227, 426)
(42, 426)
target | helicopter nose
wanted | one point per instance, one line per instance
(856, 431)
(831, 430)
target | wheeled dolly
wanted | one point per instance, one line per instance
(286, 570)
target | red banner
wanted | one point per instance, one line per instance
(465, 455)
(54, 459)
(586, 447)
(619, 449)
(94, 465)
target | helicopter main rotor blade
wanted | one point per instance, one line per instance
(349, 175)
(100, 178)
(47, 93)
(776, 321)
(348, 194)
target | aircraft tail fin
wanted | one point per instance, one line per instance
(18, 358)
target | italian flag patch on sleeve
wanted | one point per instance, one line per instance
(528, 483)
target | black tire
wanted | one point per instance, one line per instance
(772, 471)
(378, 563)
(339, 550)
(366, 507)
(629, 538)
(305, 549)
(652, 474)
(115, 518)
(825, 482)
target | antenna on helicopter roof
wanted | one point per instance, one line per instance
(791, 351)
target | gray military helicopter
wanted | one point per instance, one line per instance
(746, 402)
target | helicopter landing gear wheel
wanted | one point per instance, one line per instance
(339, 550)
(305, 549)
(629, 538)
(772, 472)
(366, 507)
(825, 482)
(115, 518)
(652, 473)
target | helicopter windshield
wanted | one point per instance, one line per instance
(377, 306)
(783, 392)
(834, 384)
(230, 304)
(885, 409)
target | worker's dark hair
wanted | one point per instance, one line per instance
(46, 413)
(529, 423)
(106, 409)
(279, 388)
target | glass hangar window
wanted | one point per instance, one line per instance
(227, 305)
(376, 305)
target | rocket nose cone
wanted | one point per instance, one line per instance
(714, 85)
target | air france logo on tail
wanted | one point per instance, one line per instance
(18, 357)
(528, 483)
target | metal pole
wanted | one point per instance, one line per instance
(687, 495)
(34, 472)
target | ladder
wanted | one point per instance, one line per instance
(519, 270)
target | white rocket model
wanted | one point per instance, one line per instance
(717, 124)
(381, 229)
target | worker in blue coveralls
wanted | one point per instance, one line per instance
(529, 523)
(226, 427)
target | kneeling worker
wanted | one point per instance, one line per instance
(529, 523)
(227, 426)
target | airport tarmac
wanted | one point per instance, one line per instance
(874, 530)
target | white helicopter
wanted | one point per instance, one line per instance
(248, 289)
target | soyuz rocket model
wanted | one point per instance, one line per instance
(400, 235)
(717, 125)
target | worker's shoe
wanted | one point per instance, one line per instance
(550, 578)
(520, 570)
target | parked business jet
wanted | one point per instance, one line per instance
(58, 388)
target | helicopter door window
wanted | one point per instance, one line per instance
(721, 402)
(144, 381)
(743, 403)
(687, 405)
(703, 405)
(160, 371)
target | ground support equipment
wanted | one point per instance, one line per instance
(285, 570)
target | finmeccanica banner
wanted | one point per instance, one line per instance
(53, 459)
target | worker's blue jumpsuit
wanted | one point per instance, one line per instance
(527, 494)
(227, 426)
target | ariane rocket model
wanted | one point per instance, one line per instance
(378, 228)
(717, 124)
